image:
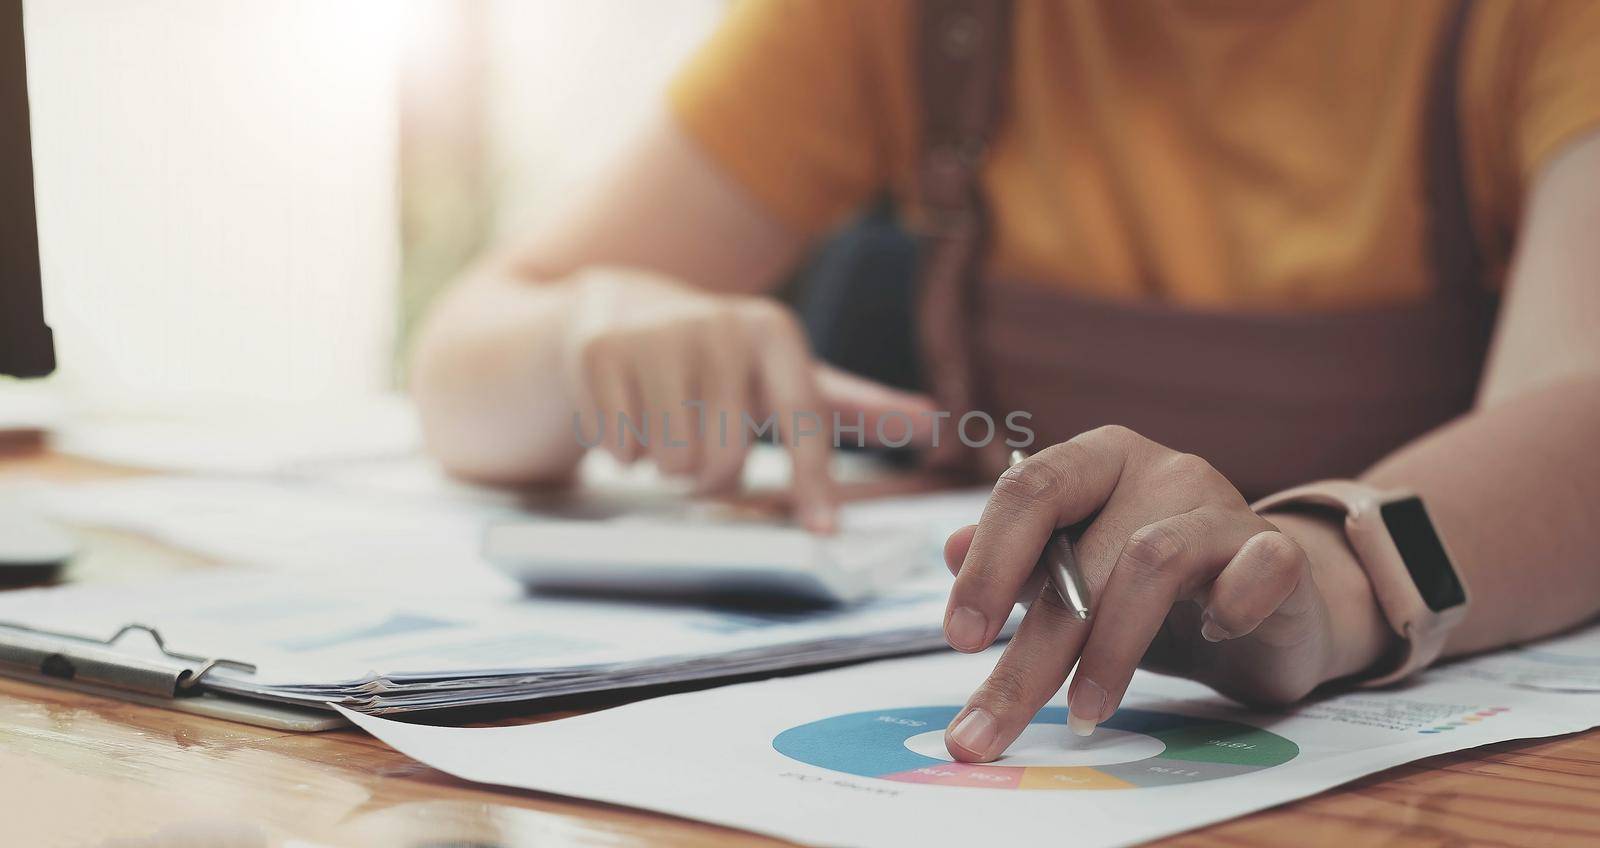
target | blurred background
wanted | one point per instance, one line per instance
(251, 203)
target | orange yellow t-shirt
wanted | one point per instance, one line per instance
(1213, 153)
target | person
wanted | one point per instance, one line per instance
(1216, 249)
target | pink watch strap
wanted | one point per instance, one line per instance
(1346, 496)
(1420, 629)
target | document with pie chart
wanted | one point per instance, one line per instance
(856, 756)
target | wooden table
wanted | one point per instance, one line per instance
(76, 769)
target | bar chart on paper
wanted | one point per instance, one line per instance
(1133, 749)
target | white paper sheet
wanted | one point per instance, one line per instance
(855, 757)
(398, 520)
(319, 530)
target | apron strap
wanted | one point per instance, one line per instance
(1457, 262)
(963, 54)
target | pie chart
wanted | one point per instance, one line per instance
(1131, 750)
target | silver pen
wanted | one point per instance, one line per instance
(1061, 566)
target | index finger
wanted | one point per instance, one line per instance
(791, 394)
(1059, 486)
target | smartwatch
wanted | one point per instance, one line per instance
(1417, 587)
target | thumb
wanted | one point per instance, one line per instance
(896, 414)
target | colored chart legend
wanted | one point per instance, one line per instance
(1133, 749)
(1464, 720)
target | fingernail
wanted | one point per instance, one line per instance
(965, 629)
(1084, 706)
(974, 732)
(1210, 630)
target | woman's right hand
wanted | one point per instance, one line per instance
(699, 367)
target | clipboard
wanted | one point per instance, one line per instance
(174, 680)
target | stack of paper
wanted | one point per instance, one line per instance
(377, 596)
(402, 648)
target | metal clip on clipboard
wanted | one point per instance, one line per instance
(172, 680)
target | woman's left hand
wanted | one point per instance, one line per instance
(1185, 578)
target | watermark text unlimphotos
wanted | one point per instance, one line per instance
(891, 429)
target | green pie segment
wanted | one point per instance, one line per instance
(1226, 743)
(872, 744)
(1158, 772)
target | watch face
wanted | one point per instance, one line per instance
(1423, 554)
